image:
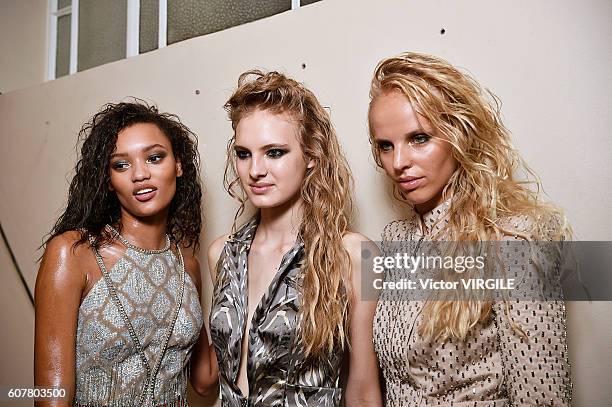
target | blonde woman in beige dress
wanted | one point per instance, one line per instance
(438, 136)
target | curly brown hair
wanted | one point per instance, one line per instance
(91, 205)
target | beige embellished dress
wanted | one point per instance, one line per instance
(493, 367)
(136, 329)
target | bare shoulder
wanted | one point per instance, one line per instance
(353, 242)
(192, 263)
(360, 248)
(214, 252)
(64, 264)
(216, 247)
(63, 248)
(192, 266)
(64, 244)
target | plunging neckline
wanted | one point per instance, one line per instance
(264, 301)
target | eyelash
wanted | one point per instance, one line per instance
(120, 165)
(124, 165)
(158, 157)
(424, 138)
(416, 140)
(242, 154)
(384, 146)
(272, 153)
(276, 152)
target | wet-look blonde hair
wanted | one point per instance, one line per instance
(486, 193)
(326, 202)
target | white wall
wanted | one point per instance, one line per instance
(23, 43)
(549, 61)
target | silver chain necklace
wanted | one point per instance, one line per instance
(129, 245)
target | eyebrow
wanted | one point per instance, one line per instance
(148, 148)
(266, 147)
(414, 132)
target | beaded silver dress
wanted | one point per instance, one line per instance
(135, 331)
(493, 367)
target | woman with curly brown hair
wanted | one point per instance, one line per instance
(286, 304)
(118, 290)
(439, 137)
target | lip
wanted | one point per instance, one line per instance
(260, 188)
(409, 183)
(146, 196)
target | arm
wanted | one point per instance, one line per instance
(362, 388)
(204, 366)
(59, 286)
(535, 364)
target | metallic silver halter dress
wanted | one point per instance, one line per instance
(135, 331)
(278, 372)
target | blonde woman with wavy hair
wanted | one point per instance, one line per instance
(286, 306)
(439, 137)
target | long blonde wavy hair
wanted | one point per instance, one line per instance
(485, 190)
(326, 202)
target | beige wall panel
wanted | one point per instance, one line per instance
(17, 332)
(549, 61)
(590, 345)
(22, 22)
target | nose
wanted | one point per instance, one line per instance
(258, 167)
(140, 171)
(402, 158)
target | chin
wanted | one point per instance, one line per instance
(145, 212)
(265, 202)
(415, 198)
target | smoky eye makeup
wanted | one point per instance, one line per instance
(276, 152)
(151, 158)
(241, 153)
(420, 138)
(384, 145)
(120, 165)
(156, 157)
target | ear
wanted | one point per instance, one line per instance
(110, 187)
(310, 164)
(179, 169)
